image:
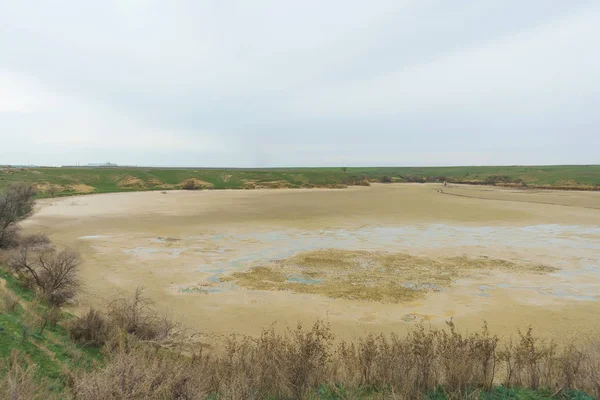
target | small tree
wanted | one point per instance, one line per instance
(54, 273)
(16, 204)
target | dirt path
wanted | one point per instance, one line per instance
(579, 199)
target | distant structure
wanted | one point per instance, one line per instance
(106, 164)
(92, 165)
(18, 166)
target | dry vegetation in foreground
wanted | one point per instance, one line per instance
(367, 275)
(149, 357)
(307, 364)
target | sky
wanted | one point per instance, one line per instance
(265, 83)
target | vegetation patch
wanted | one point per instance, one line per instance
(195, 184)
(372, 276)
(106, 180)
(131, 182)
(253, 184)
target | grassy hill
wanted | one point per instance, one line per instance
(46, 353)
(69, 181)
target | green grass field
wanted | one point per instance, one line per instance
(69, 181)
(52, 351)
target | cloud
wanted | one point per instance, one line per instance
(311, 83)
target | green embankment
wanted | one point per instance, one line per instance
(69, 181)
(52, 351)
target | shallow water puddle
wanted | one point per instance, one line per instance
(223, 253)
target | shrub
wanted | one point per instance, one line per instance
(496, 179)
(136, 316)
(16, 204)
(364, 181)
(53, 190)
(386, 179)
(54, 273)
(190, 184)
(89, 329)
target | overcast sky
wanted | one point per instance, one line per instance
(300, 83)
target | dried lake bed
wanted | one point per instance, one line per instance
(372, 259)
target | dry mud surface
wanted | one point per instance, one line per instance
(370, 259)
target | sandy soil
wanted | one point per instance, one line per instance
(180, 245)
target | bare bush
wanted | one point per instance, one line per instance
(386, 179)
(89, 329)
(529, 362)
(136, 316)
(16, 204)
(190, 184)
(53, 190)
(54, 273)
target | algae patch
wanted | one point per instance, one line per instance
(368, 275)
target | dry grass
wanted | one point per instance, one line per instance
(130, 182)
(9, 302)
(298, 363)
(374, 276)
(21, 382)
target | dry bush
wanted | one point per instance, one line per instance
(307, 354)
(89, 329)
(297, 363)
(530, 362)
(54, 273)
(20, 382)
(53, 190)
(466, 360)
(589, 374)
(132, 315)
(281, 365)
(135, 315)
(364, 181)
(135, 371)
(386, 179)
(190, 184)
